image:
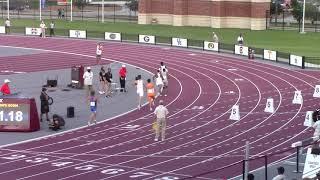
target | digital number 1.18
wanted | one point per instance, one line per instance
(11, 116)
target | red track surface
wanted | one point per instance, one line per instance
(198, 140)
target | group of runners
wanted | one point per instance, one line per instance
(155, 86)
(158, 89)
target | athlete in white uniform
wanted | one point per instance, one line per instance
(164, 74)
(159, 82)
(162, 66)
(140, 90)
(99, 52)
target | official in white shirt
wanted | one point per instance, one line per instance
(43, 29)
(240, 39)
(7, 25)
(88, 80)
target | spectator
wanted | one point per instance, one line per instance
(43, 29)
(44, 99)
(161, 112)
(52, 26)
(102, 81)
(108, 78)
(56, 123)
(59, 13)
(280, 175)
(215, 38)
(5, 89)
(250, 176)
(123, 76)
(240, 39)
(62, 13)
(88, 80)
(7, 26)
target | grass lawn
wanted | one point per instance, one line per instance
(285, 41)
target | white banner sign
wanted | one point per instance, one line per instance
(241, 50)
(270, 55)
(296, 60)
(78, 34)
(33, 31)
(210, 46)
(311, 165)
(112, 36)
(308, 121)
(147, 39)
(2, 30)
(179, 42)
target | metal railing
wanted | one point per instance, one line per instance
(285, 21)
(113, 13)
(262, 161)
(282, 57)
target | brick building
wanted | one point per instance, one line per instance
(246, 14)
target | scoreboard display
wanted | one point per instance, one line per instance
(18, 114)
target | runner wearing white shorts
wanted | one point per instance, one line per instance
(164, 74)
(159, 82)
(99, 52)
(140, 90)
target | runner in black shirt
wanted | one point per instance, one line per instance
(108, 78)
(102, 81)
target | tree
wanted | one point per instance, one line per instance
(81, 3)
(311, 12)
(133, 5)
(296, 10)
(273, 7)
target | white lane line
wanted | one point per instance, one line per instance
(172, 126)
(291, 118)
(176, 146)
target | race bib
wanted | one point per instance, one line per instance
(92, 104)
(150, 91)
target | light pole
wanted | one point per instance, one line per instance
(102, 10)
(303, 16)
(8, 11)
(71, 11)
(40, 7)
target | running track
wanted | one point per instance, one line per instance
(198, 139)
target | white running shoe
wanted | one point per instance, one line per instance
(155, 139)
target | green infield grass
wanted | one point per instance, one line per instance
(285, 41)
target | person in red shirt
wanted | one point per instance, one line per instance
(5, 89)
(123, 75)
